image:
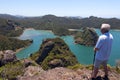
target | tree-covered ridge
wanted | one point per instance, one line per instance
(12, 43)
(86, 36)
(10, 28)
(57, 24)
(60, 25)
(49, 21)
(54, 53)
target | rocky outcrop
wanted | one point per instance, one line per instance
(54, 53)
(7, 56)
(31, 71)
(27, 62)
(60, 73)
(55, 63)
(87, 37)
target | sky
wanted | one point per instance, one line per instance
(83, 8)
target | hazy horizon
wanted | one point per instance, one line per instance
(82, 8)
(58, 16)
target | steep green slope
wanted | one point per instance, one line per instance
(12, 43)
(57, 24)
(87, 37)
(54, 53)
(10, 28)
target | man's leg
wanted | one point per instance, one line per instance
(105, 67)
(106, 70)
(96, 68)
(95, 71)
(106, 73)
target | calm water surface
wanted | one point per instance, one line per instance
(37, 36)
(84, 54)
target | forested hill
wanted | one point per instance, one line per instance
(52, 21)
(10, 17)
(9, 28)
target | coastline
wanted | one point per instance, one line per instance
(18, 50)
(37, 29)
(29, 29)
(116, 29)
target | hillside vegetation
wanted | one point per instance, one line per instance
(54, 53)
(8, 30)
(86, 36)
(12, 43)
(62, 24)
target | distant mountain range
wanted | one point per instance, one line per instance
(8, 16)
(52, 21)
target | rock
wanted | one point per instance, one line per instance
(60, 73)
(30, 72)
(1, 52)
(7, 56)
(27, 62)
(55, 63)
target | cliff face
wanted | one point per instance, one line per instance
(54, 53)
(87, 37)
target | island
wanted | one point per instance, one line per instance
(86, 36)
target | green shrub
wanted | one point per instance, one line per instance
(77, 66)
(90, 67)
(12, 43)
(11, 70)
(34, 56)
(118, 69)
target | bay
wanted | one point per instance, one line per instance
(37, 36)
(83, 54)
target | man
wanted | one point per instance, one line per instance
(102, 50)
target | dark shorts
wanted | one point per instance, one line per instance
(97, 63)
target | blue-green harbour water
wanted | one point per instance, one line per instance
(84, 54)
(37, 36)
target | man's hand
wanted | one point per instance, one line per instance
(95, 50)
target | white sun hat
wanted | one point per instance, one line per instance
(105, 26)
